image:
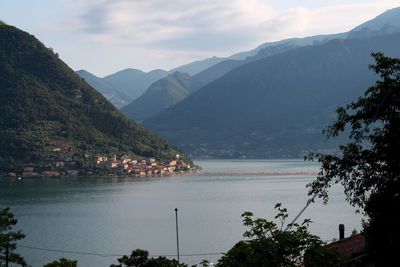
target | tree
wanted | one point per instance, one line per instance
(63, 262)
(269, 244)
(8, 239)
(140, 258)
(368, 166)
(205, 263)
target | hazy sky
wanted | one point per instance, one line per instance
(104, 36)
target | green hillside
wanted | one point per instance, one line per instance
(46, 107)
(161, 95)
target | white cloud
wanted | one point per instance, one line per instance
(178, 31)
(151, 22)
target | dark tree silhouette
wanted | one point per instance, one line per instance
(8, 238)
(63, 262)
(140, 258)
(368, 166)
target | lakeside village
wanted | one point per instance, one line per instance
(103, 165)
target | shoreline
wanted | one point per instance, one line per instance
(108, 176)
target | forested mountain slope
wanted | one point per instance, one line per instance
(44, 105)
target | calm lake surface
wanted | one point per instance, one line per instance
(105, 217)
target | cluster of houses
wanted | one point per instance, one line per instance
(143, 167)
(103, 164)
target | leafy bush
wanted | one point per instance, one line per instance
(269, 244)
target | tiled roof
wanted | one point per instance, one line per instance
(350, 246)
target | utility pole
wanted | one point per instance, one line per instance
(7, 252)
(177, 233)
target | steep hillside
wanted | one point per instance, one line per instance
(112, 94)
(133, 82)
(276, 106)
(46, 108)
(161, 95)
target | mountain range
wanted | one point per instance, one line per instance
(275, 106)
(272, 101)
(385, 23)
(44, 105)
(125, 86)
(167, 93)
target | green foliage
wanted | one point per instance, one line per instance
(369, 165)
(8, 238)
(62, 262)
(318, 255)
(140, 258)
(205, 263)
(268, 244)
(43, 103)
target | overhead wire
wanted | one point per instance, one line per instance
(114, 255)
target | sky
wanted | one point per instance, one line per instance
(105, 36)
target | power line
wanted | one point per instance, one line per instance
(70, 251)
(190, 255)
(311, 200)
(114, 255)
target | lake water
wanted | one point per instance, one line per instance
(98, 219)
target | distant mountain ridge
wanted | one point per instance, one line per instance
(223, 67)
(117, 98)
(387, 22)
(161, 95)
(276, 106)
(45, 105)
(136, 109)
(124, 86)
(134, 82)
(382, 24)
(197, 66)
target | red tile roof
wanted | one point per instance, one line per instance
(350, 246)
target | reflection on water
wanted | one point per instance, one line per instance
(114, 215)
